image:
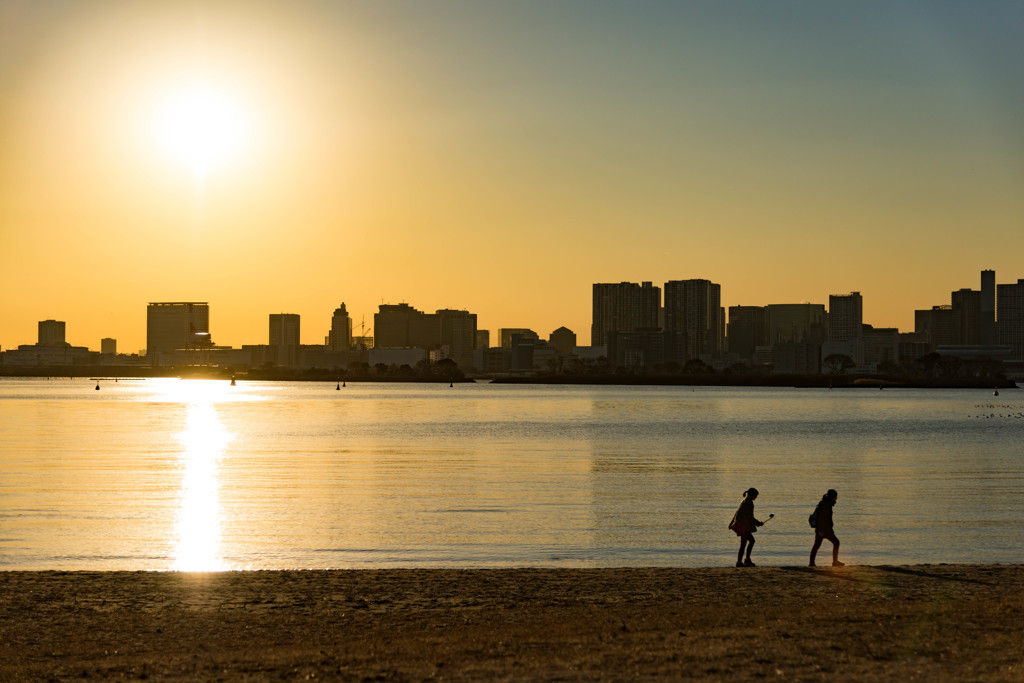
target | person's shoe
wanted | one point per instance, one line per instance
(748, 563)
(812, 565)
(837, 563)
(738, 563)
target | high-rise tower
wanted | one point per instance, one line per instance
(284, 337)
(623, 307)
(987, 333)
(845, 317)
(340, 337)
(693, 309)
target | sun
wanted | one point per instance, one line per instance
(202, 127)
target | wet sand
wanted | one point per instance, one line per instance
(929, 622)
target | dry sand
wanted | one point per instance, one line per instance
(934, 622)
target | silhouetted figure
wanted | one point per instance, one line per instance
(744, 525)
(823, 527)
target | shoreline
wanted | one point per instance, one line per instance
(951, 622)
(114, 373)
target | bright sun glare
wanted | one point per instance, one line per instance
(202, 127)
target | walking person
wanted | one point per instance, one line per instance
(744, 524)
(822, 523)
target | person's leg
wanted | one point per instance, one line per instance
(750, 544)
(835, 549)
(743, 545)
(814, 548)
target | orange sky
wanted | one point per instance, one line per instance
(498, 158)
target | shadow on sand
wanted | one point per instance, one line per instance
(846, 575)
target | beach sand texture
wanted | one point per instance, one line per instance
(929, 622)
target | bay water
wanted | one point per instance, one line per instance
(169, 474)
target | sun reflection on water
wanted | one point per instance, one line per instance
(203, 442)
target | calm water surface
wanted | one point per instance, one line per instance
(199, 475)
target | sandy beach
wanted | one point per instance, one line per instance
(928, 622)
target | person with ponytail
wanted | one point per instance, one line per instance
(744, 524)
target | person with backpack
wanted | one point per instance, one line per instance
(821, 520)
(744, 525)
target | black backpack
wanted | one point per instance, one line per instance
(813, 518)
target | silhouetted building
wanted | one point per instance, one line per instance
(623, 307)
(51, 349)
(647, 351)
(284, 338)
(967, 306)
(1010, 318)
(402, 326)
(987, 333)
(51, 333)
(845, 316)
(563, 339)
(522, 349)
(939, 325)
(177, 325)
(483, 339)
(458, 334)
(800, 358)
(108, 346)
(505, 335)
(795, 323)
(881, 345)
(340, 336)
(693, 309)
(747, 329)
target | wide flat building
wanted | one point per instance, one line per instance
(505, 335)
(789, 323)
(623, 307)
(399, 326)
(176, 325)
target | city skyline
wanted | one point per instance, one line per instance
(621, 307)
(498, 158)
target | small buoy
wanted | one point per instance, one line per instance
(97, 386)
(451, 384)
(338, 388)
(995, 393)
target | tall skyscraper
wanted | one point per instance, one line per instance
(845, 317)
(51, 333)
(987, 333)
(340, 337)
(108, 346)
(177, 325)
(1010, 318)
(623, 307)
(284, 338)
(748, 329)
(693, 309)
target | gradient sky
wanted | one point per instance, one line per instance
(502, 157)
